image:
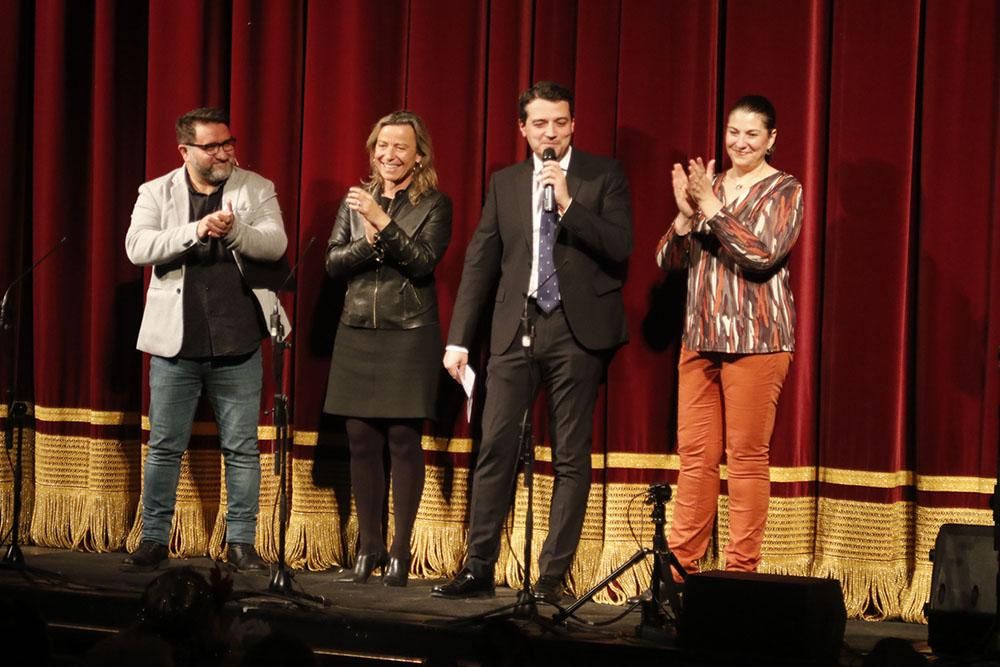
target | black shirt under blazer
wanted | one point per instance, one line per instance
(594, 241)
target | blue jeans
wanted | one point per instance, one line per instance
(233, 388)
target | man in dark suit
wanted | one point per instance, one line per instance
(565, 269)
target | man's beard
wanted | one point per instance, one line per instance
(217, 173)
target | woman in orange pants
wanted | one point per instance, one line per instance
(733, 233)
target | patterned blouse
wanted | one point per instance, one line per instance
(739, 298)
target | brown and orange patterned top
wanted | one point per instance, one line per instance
(739, 297)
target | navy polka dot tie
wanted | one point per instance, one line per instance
(548, 282)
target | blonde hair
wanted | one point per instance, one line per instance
(425, 177)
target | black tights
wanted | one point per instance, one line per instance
(367, 438)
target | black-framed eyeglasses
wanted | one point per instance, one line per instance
(212, 149)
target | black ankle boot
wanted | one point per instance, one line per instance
(364, 566)
(397, 572)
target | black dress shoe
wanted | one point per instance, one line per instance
(465, 585)
(364, 567)
(549, 589)
(396, 572)
(244, 558)
(647, 594)
(146, 558)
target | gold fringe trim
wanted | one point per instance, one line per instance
(188, 531)
(134, 536)
(217, 540)
(105, 522)
(871, 590)
(7, 507)
(631, 582)
(795, 566)
(56, 512)
(313, 541)
(929, 522)
(916, 595)
(437, 550)
(266, 541)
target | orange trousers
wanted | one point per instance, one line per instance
(731, 399)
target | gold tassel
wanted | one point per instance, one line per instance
(7, 507)
(266, 540)
(188, 531)
(352, 536)
(313, 541)
(917, 594)
(106, 521)
(796, 566)
(514, 567)
(585, 565)
(631, 582)
(134, 536)
(56, 512)
(217, 539)
(438, 550)
(871, 592)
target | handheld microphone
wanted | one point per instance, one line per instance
(548, 193)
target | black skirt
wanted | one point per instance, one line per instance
(385, 373)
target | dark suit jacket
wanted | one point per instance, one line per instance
(592, 248)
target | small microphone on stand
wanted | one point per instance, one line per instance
(6, 295)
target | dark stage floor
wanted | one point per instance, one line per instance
(84, 597)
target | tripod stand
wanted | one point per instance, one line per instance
(653, 623)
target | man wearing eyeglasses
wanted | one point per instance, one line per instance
(198, 227)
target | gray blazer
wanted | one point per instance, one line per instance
(160, 235)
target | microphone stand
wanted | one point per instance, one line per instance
(281, 580)
(16, 413)
(526, 607)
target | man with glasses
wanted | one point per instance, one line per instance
(199, 226)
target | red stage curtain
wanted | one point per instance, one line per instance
(887, 113)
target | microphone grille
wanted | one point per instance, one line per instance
(548, 154)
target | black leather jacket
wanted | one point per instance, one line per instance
(391, 285)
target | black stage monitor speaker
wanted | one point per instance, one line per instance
(963, 589)
(762, 619)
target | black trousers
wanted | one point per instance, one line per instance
(571, 376)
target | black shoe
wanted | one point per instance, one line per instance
(549, 589)
(364, 567)
(396, 572)
(647, 595)
(244, 558)
(465, 585)
(146, 558)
